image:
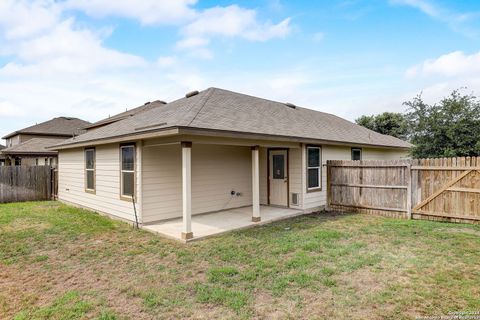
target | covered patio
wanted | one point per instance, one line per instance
(202, 187)
(211, 224)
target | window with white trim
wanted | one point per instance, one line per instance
(89, 169)
(356, 154)
(127, 155)
(314, 168)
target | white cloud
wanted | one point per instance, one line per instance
(231, 21)
(436, 78)
(52, 45)
(192, 42)
(423, 5)
(66, 49)
(23, 18)
(8, 109)
(457, 21)
(148, 12)
(167, 61)
(453, 64)
(234, 21)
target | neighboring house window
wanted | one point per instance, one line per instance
(356, 154)
(127, 178)
(314, 167)
(18, 161)
(90, 170)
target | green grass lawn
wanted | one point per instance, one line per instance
(58, 262)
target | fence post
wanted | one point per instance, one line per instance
(329, 188)
(409, 190)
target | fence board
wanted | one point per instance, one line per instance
(22, 183)
(433, 189)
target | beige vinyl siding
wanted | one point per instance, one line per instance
(216, 171)
(319, 198)
(71, 181)
(383, 154)
(295, 175)
(162, 182)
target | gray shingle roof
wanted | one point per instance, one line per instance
(34, 146)
(61, 126)
(129, 113)
(218, 109)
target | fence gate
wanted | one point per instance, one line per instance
(447, 188)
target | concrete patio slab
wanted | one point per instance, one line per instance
(211, 224)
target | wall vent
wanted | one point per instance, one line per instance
(295, 199)
(191, 94)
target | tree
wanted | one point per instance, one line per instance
(390, 123)
(450, 128)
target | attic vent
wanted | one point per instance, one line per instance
(291, 105)
(191, 94)
(161, 101)
(148, 102)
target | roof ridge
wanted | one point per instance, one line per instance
(208, 95)
(276, 101)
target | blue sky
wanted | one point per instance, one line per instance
(94, 58)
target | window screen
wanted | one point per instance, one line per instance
(89, 169)
(356, 154)
(128, 170)
(314, 172)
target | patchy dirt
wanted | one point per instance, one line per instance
(462, 230)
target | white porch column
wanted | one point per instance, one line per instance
(187, 190)
(255, 184)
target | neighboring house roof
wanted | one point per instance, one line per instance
(61, 126)
(2, 146)
(1, 155)
(147, 106)
(34, 146)
(223, 110)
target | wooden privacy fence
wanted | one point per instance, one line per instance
(22, 183)
(434, 189)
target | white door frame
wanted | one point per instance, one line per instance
(287, 175)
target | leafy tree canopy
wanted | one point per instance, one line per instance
(450, 128)
(393, 124)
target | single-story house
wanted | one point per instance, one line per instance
(28, 146)
(210, 159)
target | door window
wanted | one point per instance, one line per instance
(278, 166)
